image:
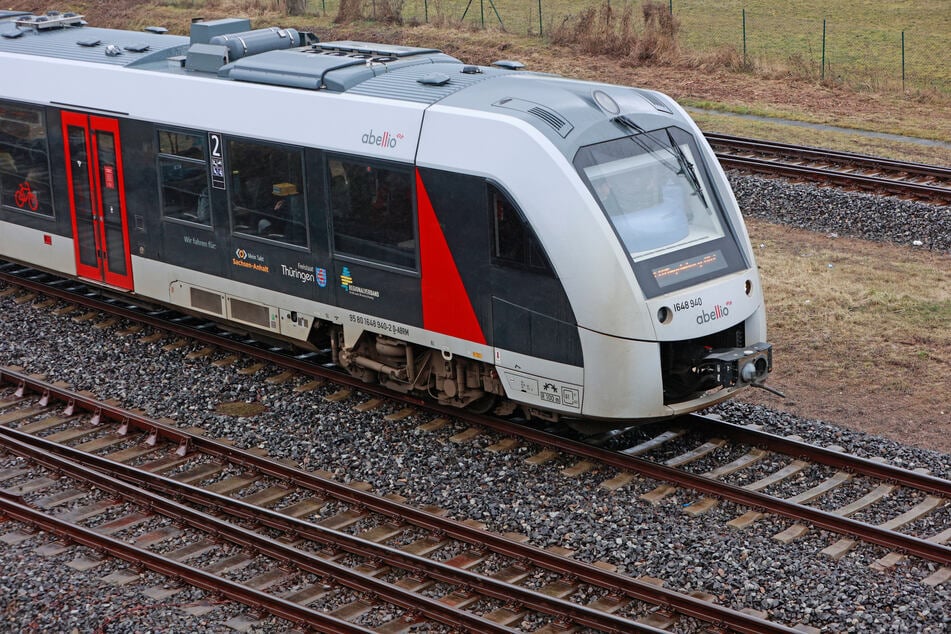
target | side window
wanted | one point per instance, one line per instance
(373, 212)
(183, 176)
(24, 160)
(267, 191)
(513, 242)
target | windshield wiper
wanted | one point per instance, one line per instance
(686, 167)
(624, 120)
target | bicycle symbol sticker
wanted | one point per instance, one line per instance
(26, 196)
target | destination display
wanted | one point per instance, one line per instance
(689, 269)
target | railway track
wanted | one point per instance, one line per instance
(709, 468)
(930, 183)
(162, 470)
(837, 520)
(710, 485)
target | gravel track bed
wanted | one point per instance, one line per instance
(830, 210)
(741, 568)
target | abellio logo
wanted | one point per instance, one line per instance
(386, 140)
(718, 312)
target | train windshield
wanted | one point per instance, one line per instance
(654, 188)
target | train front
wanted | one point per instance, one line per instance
(702, 336)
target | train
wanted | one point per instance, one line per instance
(486, 236)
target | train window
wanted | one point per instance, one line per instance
(267, 191)
(24, 160)
(373, 212)
(183, 176)
(513, 241)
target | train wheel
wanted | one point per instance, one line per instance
(483, 404)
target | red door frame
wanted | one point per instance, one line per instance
(90, 125)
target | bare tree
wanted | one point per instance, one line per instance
(296, 7)
(389, 11)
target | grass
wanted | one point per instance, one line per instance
(833, 140)
(860, 41)
(862, 44)
(860, 317)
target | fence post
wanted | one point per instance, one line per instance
(540, 18)
(744, 38)
(822, 71)
(426, 11)
(903, 62)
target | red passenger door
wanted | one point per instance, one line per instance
(97, 198)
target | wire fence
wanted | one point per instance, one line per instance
(771, 37)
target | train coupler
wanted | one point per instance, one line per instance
(740, 366)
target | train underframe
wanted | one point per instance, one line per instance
(411, 369)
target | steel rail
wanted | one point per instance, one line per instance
(847, 462)
(13, 508)
(621, 585)
(139, 486)
(159, 320)
(825, 155)
(896, 177)
(64, 459)
(869, 182)
(830, 521)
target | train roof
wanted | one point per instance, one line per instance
(229, 50)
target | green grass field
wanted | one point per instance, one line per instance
(862, 43)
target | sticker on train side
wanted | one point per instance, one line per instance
(379, 324)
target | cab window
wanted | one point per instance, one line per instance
(513, 242)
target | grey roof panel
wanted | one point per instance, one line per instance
(405, 84)
(367, 48)
(62, 43)
(317, 68)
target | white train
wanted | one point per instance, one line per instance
(487, 236)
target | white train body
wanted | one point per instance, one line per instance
(480, 234)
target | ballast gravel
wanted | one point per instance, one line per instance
(747, 568)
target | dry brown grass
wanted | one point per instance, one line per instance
(861, 330)
(385, 11)
(598, 31)
(605, 30)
